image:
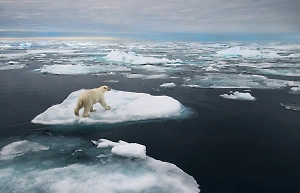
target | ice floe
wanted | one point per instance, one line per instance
(18, 148)
(216, 80)
(168, 85)
(245, 52)
(125, 106)
(133, 58)
(69, 69)
(148, 76)
(82, 168)
(12, 66)
(238, 96)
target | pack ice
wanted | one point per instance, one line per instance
(125, 107)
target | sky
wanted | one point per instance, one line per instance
(150, 18)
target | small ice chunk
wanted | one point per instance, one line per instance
(239, 96)
(124, 149)
(168, 85)
(210, 69)
(12, 62)
(132, 150)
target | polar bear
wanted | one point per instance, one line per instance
(89, 97)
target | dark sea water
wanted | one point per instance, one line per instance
(225, 145)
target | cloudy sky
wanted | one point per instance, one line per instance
(151, 16)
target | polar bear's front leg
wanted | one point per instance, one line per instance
(104, 105)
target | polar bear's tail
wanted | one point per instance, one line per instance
(78, 107)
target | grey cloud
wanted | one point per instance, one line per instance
(152, 16)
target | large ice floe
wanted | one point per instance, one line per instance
(133, 58)
(118, 167)
(69, 69)
(125, 107)
(238, 96)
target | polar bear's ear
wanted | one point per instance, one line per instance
(105, 87)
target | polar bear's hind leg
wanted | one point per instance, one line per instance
(78, 107)
(87, 107)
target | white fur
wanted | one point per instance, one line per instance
(89, 97)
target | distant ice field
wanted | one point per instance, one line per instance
(204, 65)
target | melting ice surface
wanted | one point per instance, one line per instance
(239, 96)
(64, 165)
(125, 106)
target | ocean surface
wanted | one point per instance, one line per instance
(230, 123)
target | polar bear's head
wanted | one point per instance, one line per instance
(105, 88)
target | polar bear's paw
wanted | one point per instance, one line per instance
(108, 108)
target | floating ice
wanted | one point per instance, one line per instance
(295, 90)
(12, 67)
(122, 148)
(133, 58)
(214, 80)
(146, 76)
(293, 107)
(14, 149)
(80, 69)
(238, 51)
(281, 71)
(168, 85)
(239, 96)
(132, 150)
(82, 168)
(210, 69)
(152, 68)
(125, 106)
(111, 81)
